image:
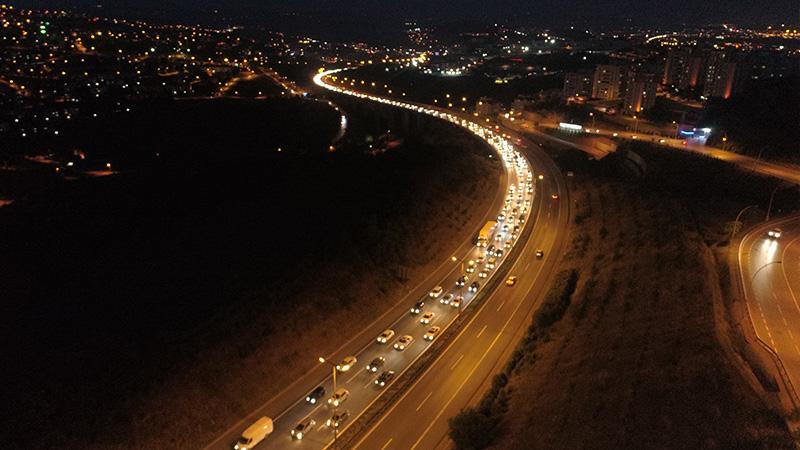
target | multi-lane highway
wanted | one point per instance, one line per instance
(770, 270)
(525, 200)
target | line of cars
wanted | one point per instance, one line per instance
(511, 219)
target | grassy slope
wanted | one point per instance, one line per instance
(635, 362)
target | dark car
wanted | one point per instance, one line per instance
(315, 395)
(417, 308)
(376, 364)
(474, 286)
(461, 281)
(338, 419)
(385, 378)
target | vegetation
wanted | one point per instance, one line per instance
(761, 121)
(476, 428)
(634, 361)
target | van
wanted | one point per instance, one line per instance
(254, 434)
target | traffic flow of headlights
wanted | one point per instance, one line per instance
(364, 374)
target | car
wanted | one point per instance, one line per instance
(491, 263)
(554, 196)
(498, 236)
(490, 250)
(521, 219)
(502, 217)
(483, 274)
(506, 228)
(498, 253)
(417, 308)
(254, 434)
(456, 303)
(403, 343)
(338, 418)
(427, 318)
(516, 229)
(462, 280)
(384, 378)
(347, 363)
(510, 281)
(481, 256)
(315, 395)
(446, 299)
(507, 244)
(432, 332)
(303, 428)
(436, 292)
(376, 364)
(774, 233)
(470, 266)
(385, 336)
(339, 397)
(474, 286)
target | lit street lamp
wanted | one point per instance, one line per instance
(333, 371)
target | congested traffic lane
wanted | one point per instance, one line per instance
(357, 380)
(418, 420)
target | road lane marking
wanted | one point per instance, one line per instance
(454, 364)
(501, 305)
(424, 400)
(387, 444)
(354, 375)
(481, 332)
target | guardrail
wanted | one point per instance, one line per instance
(403, 383)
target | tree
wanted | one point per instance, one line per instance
(472, 430)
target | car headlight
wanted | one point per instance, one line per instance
(299, 435)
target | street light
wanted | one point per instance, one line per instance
(736, 222)
(333, 368)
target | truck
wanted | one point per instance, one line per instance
(254, 434)
(486, 233)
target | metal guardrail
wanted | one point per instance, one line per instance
(388, 397)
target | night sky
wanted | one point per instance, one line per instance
(377, 19)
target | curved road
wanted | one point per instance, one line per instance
(770, 270)
(288, 413)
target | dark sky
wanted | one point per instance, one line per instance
(392, 12)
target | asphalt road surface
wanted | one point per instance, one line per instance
(521, 190)
(770, 271)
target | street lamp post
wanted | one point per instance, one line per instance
(460, 288)
(333, 371)
(591, 114)
(771, 198)
(736, 222)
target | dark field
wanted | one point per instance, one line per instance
(140, 306)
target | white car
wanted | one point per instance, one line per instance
(436, 292)
(403, 343)
(456, 303)
(446, 299)
(347, 363)
(427, 318)
(432, 332)
(491, 263)
(339, 397)
(385, 336)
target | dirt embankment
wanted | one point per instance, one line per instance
(186, 300)
(636, 362)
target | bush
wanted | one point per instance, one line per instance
(472, 430)
(557, 300)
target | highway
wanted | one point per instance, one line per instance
(786, 172)
(521, 186)
(770, 270)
